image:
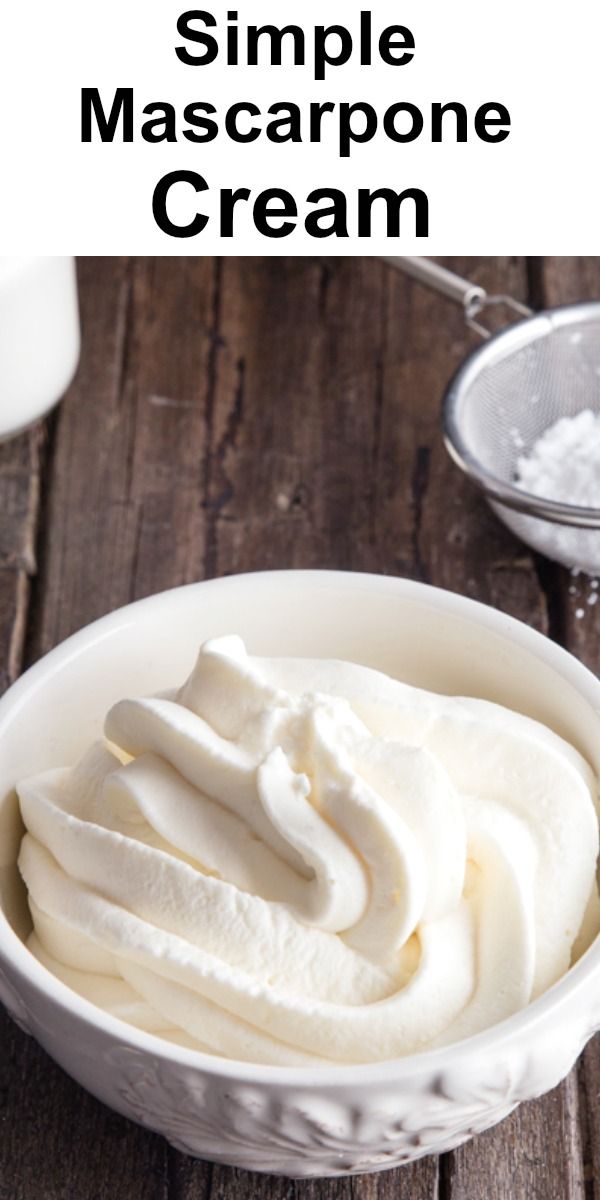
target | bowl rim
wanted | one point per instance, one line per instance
(29, 970)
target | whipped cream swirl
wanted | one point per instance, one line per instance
(295, 862)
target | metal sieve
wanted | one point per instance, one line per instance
(507, 393)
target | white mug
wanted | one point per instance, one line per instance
(39, 337)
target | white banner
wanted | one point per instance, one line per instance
(134, 126)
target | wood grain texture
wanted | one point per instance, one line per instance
(20, 471)
(234, 415)
(563, 281)
(124, 510)
(59, 1143)
(21, 463)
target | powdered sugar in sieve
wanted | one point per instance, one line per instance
(564, 464)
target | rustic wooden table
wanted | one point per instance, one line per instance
(233, 415)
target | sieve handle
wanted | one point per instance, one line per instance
(472, 298)
(441, 280)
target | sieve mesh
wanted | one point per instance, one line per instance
(503, 399)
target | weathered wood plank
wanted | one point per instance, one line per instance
(20, 467)
(429, 520)
(14, 596)
(567, 280)
(58, 1143)
(293, 429)
(535, 1154)
(416, 1181)
(124, 513)
(20, 475)
(562, 281)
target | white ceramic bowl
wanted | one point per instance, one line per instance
(292, 1121)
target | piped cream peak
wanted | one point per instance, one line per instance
(291, 861)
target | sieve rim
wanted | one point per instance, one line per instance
(519, 334)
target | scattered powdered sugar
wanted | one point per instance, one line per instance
(564, 464)
(585, 591)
